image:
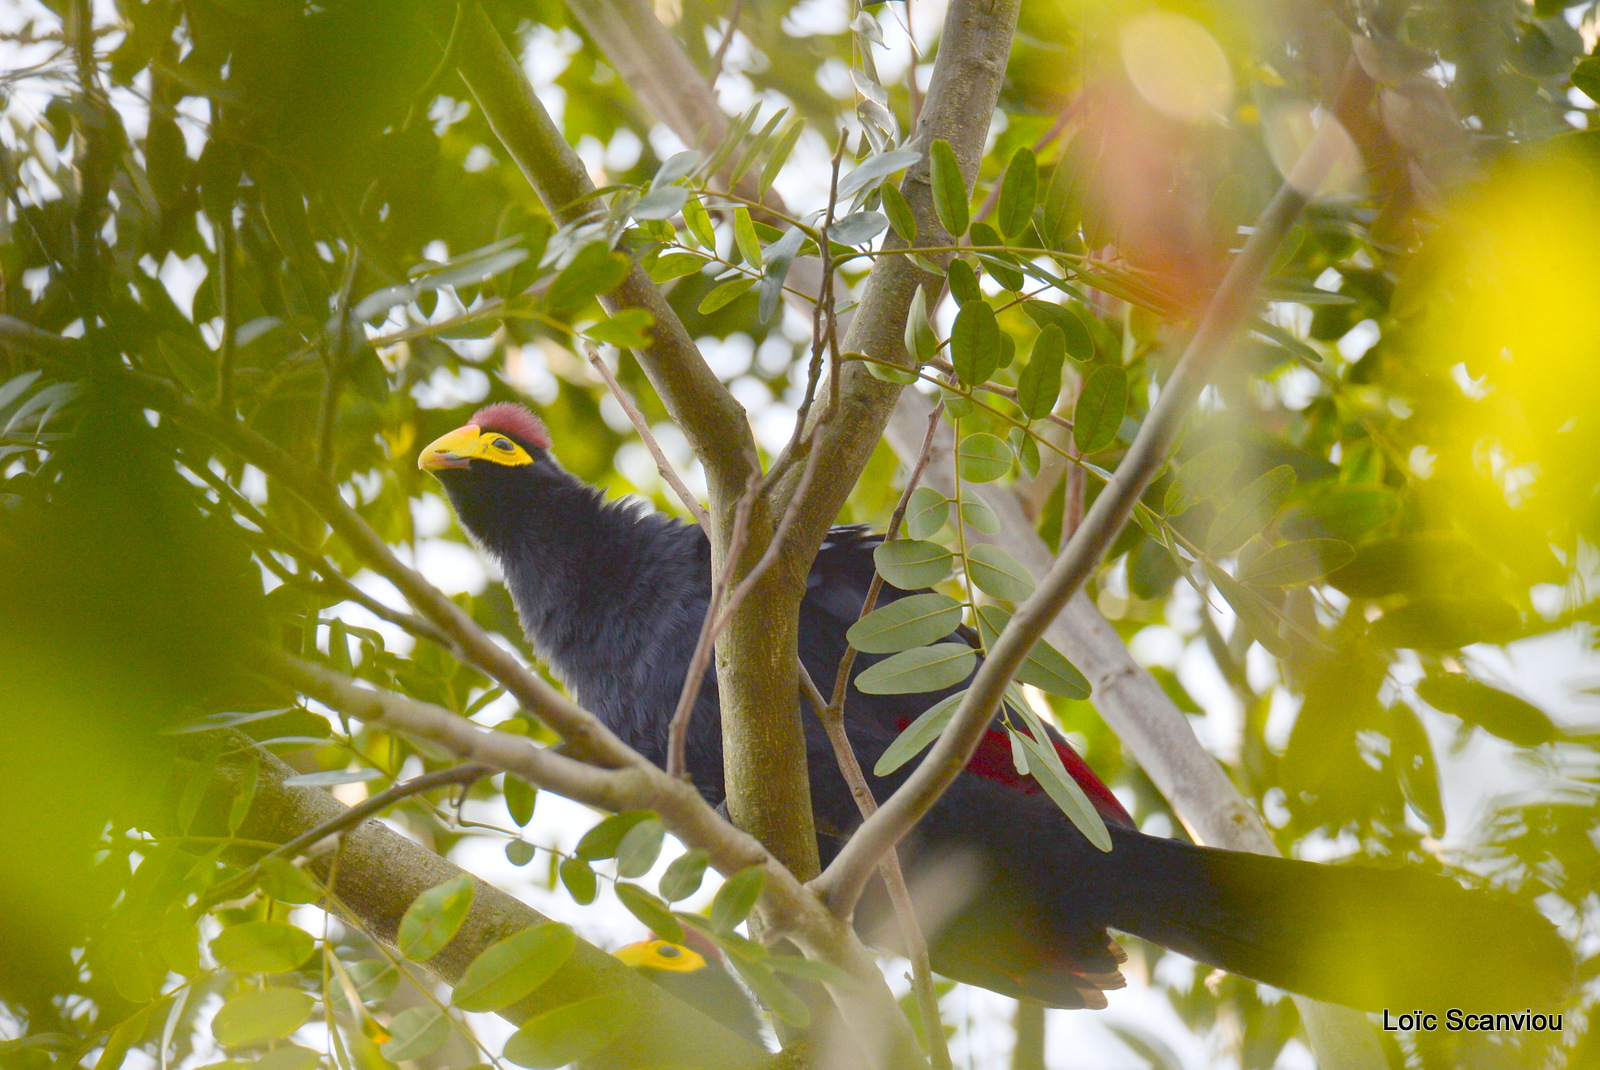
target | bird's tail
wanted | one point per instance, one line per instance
(1371, 938)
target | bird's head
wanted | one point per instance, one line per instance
(498, 473)
(501, 436)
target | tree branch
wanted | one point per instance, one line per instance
(763, 745)
(846, 877)
(711, 419)
(788, 908)
(379, 874)
(973, 50)
(636, 418)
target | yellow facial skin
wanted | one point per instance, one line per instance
(660, 955)
(461, 447)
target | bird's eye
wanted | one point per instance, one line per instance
(503, 444)
(667, 951)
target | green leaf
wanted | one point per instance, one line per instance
(927, 668)
(780, 152)
(1496, 712)
(737, 898)
(857, 228)
(1046, 768)
(1250, 510)
(260, 1015)
(1586, 77)
(417, 1032)
(650, 910)
(912, 564)
(899, 212)
(1049, 670)
(773, 993)
(434, 917)
(263, 947)
(684, 875)
(595, 270)
(1101, 406)
(921, 342)
(1257, 617)
(875, 169)
(744, 236)
(1411, 756)
(571, 1032)
(1295, 564)
(373, 979)
(663, 202)
(979, 517)
(982, 458)
(725, 294)
(639, 848)
(579, 880)
(963, 282)
(949, 188)
(997, 573)
(1001, 265)
(926, 513)
(603, 840)
(628, 329)
(975, 342)
(332, 778)
(288, 1057)
(1447, 623)
(1026, 448)
(514, 967)
(1039, 385)
(1202, 477)
(520, 852)
(1019, 190)
(918, 734)
(698, 221)
(913, 621)
(1075, 336)
(521, 797)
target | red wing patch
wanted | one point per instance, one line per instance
(992, 761)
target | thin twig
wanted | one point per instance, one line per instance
(640, 425)
(821, 330)
(727, 39)
(678, 732)
(776, 544)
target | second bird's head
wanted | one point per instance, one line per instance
(498, 458)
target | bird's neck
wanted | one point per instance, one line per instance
(582, 570)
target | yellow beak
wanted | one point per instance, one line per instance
(454, 449)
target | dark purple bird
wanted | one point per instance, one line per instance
(612, 595)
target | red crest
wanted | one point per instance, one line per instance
(515, 420)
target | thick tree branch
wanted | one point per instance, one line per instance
(768, 791)
(379, 874)
(788, 908)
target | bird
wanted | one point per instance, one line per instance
(696, 976)
(612, 593)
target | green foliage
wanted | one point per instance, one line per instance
(343, 258)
